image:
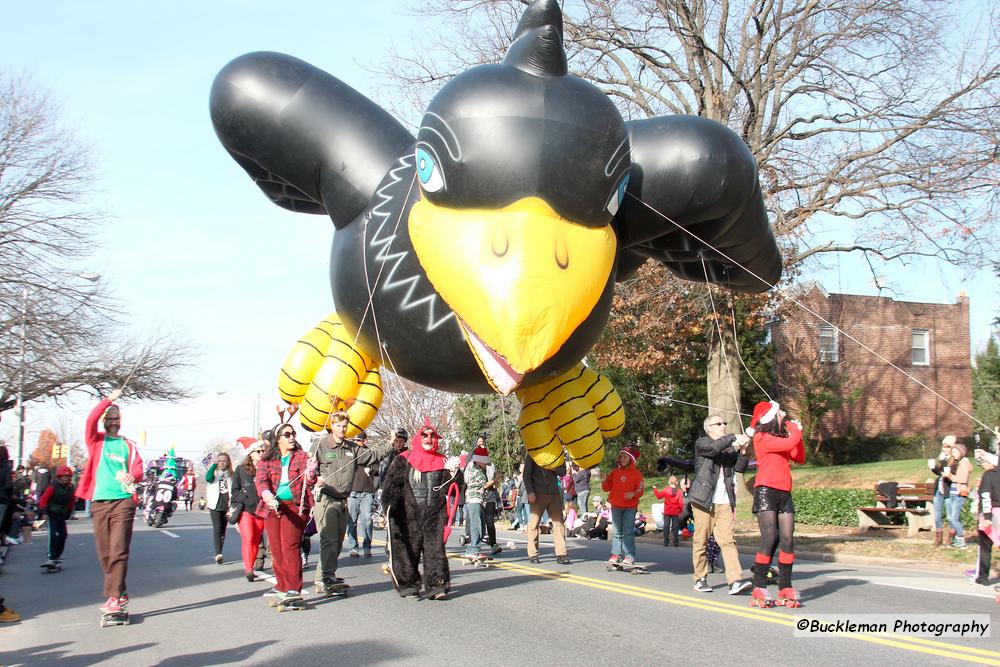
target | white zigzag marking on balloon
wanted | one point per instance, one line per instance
(393, 260)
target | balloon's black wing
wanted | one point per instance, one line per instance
(698, 174)
(312, 143)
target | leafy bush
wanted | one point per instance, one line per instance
(836, 507)
(830, 506)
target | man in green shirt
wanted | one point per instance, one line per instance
(108, 481)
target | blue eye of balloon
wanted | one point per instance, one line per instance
(428, 171)
(618, 196)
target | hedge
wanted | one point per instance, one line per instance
(830, 506)
(837, 507)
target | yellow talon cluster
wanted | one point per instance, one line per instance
(325, 366)
(577, 410)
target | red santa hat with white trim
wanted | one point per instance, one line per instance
(763, 413)
(481, 455)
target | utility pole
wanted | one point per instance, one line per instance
(20, 384)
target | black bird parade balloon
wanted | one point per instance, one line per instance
(481, 255)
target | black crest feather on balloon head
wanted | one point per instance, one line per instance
(538, 41)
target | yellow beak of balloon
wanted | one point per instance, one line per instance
(521, 279)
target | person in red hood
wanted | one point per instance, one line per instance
(415, 493)
(776, 443)
(108, 481)
(624, 486)
(57, 502)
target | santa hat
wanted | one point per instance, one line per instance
(66, 470)
(632, 451)
(247, 444)
(481, 455)
(763, 412)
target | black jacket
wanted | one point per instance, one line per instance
(711, 456)
(244, 492)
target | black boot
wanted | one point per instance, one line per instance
(759, 575)
(784, 575)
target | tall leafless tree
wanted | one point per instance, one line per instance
(59, 332)
(873, 122)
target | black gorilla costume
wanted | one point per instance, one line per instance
(416, 504)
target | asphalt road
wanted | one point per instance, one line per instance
(186, 610)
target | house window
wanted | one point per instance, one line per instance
(828, 348)
(921, 347)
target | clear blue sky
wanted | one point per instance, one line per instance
(193, 247)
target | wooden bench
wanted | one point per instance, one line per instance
(914, 501)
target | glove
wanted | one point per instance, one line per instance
(270, 500)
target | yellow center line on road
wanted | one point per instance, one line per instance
(916, 644)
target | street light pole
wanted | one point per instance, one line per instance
(20, 384)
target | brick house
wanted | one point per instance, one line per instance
(930, 341)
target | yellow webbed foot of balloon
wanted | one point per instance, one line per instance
(578, 410)
(325, 372)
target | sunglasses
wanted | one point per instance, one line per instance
(718, 424)
(426, 435)
(288, 434)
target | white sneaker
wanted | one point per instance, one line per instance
(738, 587)
(219, 558)
(354, 553)
(702, 586)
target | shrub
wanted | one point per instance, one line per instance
(836, 507)
(830, 506)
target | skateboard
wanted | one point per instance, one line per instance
(631, 569)
(479, 561)
(333, 590)
(114, 618)
(287, 604)
(49, 569)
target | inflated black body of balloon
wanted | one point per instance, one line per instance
(521, 200)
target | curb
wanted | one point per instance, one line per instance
(851, 559)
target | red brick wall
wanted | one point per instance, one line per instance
(887, 402)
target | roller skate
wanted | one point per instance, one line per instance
(761, 598)
(788, 597)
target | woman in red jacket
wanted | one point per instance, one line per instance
(283, 480)
(673, 505)
(776, 444)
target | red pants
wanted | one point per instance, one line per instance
(251, 527)
(284, 534)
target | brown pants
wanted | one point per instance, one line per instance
(554, 505)
(719, 522)
(113, 536)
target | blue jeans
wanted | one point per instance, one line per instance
(521, 513)
(359, 506)
(939, 502)
(955, 505)
(623, 523)
(582, 498)
(475, 524)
